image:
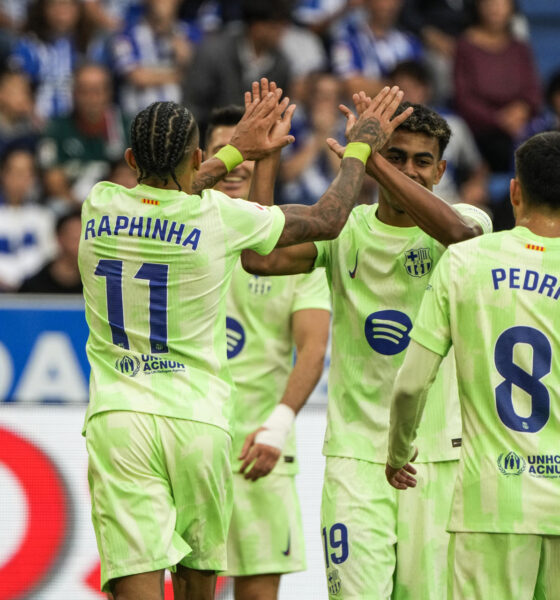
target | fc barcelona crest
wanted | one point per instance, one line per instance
(418, 262)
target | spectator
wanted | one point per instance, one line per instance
(26, 229)
(150, 57)
(438, 23)
(18, 125)
(61, 275)
(308, 166)
(549, 119)
(111, 16)
(497, 88)
(226, 63)
(77, 150)
(322, 16)
(466, 176)
(367, 47)
(55, 36)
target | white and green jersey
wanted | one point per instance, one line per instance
(260, 347)
(378, 274)
(156, 265)
(497, 300)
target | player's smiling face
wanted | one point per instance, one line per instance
(237, 182)
(417, 156)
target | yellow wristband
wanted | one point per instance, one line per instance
(230, 156)
(359, 150)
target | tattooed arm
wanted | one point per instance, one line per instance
(326, 219)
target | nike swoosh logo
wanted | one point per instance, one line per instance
(286, 552)
(353, 272)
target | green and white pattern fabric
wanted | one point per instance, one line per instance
(261, 345)
(156, 265)
(378, 274)
(496, 298)
(362, 518)
(503, 565)
(160, 493)
(266, 531)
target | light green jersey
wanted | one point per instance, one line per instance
(156, 265)
(497, 300)
(260, 347)
(378, 274)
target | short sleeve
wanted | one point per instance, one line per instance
(431, 328)
(312, 291)
(249, 225)
(323, 254)
(476, 214)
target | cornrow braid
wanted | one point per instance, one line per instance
(161, 135)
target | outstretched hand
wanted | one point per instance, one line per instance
(261, 458)
(375, 122)
(264, 127)
(402, 478)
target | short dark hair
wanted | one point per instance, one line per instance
(427, 121)
(537, 163)
(225, 116)
(266, 10)
(414, 69)
(161, 135)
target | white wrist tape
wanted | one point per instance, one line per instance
(277, 427)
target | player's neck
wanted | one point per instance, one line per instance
(545, 224)
(392, 216)
(185, 181)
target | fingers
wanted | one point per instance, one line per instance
(392, 98)
(402, 117)
(350, 118)
(281, 142)
(378, 99)
(337, 148)
(249, 440)
(265, 458)
(391, 107)
(361, 102)
(410, 469)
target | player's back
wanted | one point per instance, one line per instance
(504, 307)
(155, 265)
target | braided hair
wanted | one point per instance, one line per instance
(161, 135)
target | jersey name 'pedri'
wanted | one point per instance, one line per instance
(156, 265)
(378, 274)
(497, 299)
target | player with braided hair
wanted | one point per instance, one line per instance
(156, 262)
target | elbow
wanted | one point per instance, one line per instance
(463, 233)
(254, 263)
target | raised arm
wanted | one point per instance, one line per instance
(325, 220)
(432, 214)
(251, 139)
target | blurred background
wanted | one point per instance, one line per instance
(73, 73)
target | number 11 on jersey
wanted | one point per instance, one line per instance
(156, 274)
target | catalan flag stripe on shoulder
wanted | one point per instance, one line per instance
(535, 247)
(148, 201)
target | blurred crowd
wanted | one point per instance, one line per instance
(73, 73)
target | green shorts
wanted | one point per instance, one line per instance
(160, 493)
(266, 532)
(503, 566)
(383, 543)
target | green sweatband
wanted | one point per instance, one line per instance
(359, 150)
(230, 156)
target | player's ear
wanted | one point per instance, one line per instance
(515, 194)
(130, 160)
(196, 159)
(440, 170)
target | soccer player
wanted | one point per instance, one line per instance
(495, 299)
(156, 261)
(378, 269)
(266, 317)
